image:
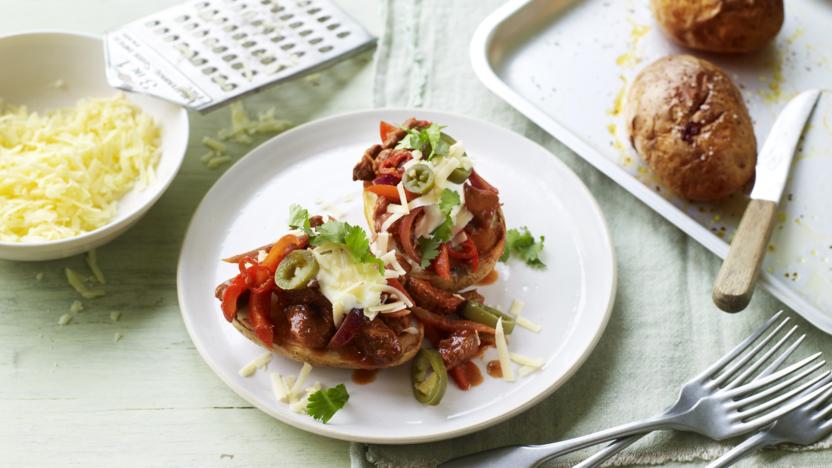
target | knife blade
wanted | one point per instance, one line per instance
(734, 284)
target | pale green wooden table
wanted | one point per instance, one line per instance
(71, 395)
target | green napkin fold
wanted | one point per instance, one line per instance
(664, 328)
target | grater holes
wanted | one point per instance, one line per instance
(258, 52)
(257, 23)
(333, 26)
(238, 36)
(296, 24)
(229, 57)
(230, 28)
(191, 26)
(203, 4)
(228, 87)
(265, 2)
(199, 61)
(171, 38)
(220, 49)
(268, 30)
(315, 40)
(277, 8)
(211, 42)
(325, 49)
(209, 70)
(268, 60)
(249, 44)
(324, 19)
(279, 68)
(182, 18)
(153, 23)
(220, 79)
(313, 11)
(162, 30)
(304, 3)
(237, 65)
(305, 32)
(287, 17)
(342, 34)
(278, 38)
(202, 33)
(297, 55)
(288, 46)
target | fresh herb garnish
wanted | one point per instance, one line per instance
(429, 246)
(337, 232)
(520, 243)
(424, 138)
(324, 403)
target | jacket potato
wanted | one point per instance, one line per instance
(689, 123)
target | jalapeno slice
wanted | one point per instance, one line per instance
(296, 270)
(481, 313)
(460, 174)
(418, 178)
(429, 377)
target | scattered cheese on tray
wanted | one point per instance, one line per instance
(260, 361)
(117, 337)
(92, 262)
(64, 319)
(115, 315)
(76, 307)
(77, 282)
(62, 173)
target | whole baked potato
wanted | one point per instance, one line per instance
(689, 123)
(722, 26)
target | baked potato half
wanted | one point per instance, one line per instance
(721, 26)
(452, 231)
(689, 123)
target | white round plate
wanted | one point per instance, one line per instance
(33, 62)
(312, 165)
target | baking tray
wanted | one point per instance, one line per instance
(566, 64)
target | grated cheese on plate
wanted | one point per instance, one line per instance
(502, 352)
(260, 361)
(62, 173)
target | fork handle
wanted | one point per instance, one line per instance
(609, 451)
(534, 455)
(748, 446)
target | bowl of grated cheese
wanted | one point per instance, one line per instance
(80, 162)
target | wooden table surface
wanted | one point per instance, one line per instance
(73, 396)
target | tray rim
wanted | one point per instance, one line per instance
(479, 53)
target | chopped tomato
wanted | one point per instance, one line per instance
(389, 192)
(467, 252)
(281, 249)
(442, 264)
(259, 314)
(231, 295)
(406, 234)
(386, 130)
(480, 183)
(398, 285)
(460, 378)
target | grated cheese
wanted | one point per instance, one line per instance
(213, 144)
(62, 173)
(402, 197)
(502, 351)
(516, 307)
(279, 387)
(115, 315)
(526, 370)
(76, 307)
(260, 361)
(302, 376)
(397, 215)
(528, 324)
(64, 319)
(92, 262)
(526, 361)
(117, 337)
(77, 282)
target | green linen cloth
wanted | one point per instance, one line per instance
(664, 328)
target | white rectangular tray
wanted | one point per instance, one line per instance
(565, 64)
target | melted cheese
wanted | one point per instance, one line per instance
(346, 283)
(62, 173)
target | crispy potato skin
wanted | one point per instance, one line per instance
(721, 26)
(689, 123)
(410, 344)
(457, 281)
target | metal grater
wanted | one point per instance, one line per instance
(204, 53)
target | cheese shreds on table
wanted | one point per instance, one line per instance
(62, 173)
(77, 282)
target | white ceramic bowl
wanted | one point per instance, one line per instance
(33, 61)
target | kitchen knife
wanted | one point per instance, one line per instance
(735, 282)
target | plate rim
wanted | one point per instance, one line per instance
(314, 427)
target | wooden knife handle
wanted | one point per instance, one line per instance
(735, 282)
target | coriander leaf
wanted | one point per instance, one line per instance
(429, 249)
(324, 403)
(447, 200)
(299, 217)
(521, 244)
(359, 246)
(444, 231)
(330, 231)
(434, 136)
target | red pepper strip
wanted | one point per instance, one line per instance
(281, 249)
(480, 183)
(442, 264)
(444, 323)
(259, 314)
(230, 296)
(458, 374)
(406, 234)
(468, 252)
(385, 130)
(258, 276)
(398, 285)
(388, 191)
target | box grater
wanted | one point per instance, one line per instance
(202, 54)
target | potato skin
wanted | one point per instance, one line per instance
(721, 26)
(688, 121)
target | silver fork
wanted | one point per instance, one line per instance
(711, 379)
(722, 414)
(804, 425)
